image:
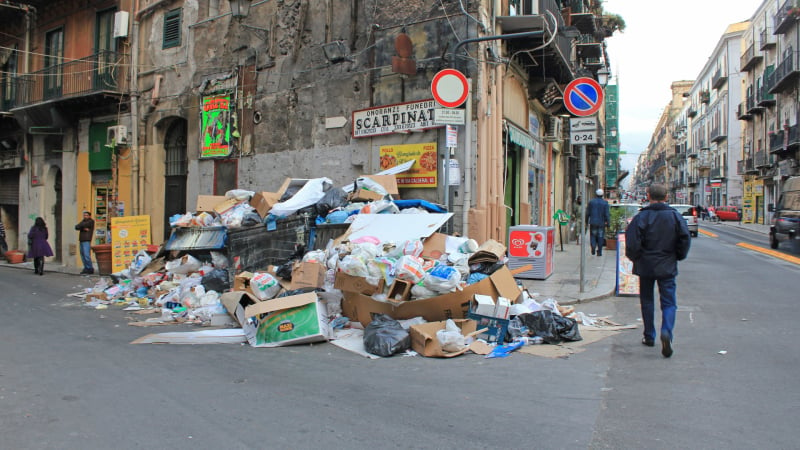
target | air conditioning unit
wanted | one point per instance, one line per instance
(116, 135)
(555, 129)
(120, 24)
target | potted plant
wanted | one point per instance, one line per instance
(616, 224)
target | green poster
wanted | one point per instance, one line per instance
(215, 127)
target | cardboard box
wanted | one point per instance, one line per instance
(262, 202)
(297, 319)
(241, 282)
(453, 305)
(425, 342)
(483, 305)
(351, 283)
(502, 308)
(307, 274)
(225, 206)
(400, 290)
(206, 203)
(497, 328)
(96, 296)
(490, 251)
(388, 182)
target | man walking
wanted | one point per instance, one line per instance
(86, 228)
(598, 216)
(656, 239)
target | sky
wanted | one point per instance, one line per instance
(664, 41)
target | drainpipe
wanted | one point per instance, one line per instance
(133, 88)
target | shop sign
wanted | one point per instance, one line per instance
(215, 129)
(401, 117)
(424, 171)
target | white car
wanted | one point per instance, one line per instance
(690, 215)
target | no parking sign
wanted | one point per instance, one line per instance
(583, 96)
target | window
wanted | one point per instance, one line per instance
(172, 29)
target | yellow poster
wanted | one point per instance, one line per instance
(422, 173)
(627, 282)
(128, 236)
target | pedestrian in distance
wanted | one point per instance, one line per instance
(86, 230)
(598, 216)
(38, 247)
(3, 245)
(656, 239)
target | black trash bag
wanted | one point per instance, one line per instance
(385, 336)
(290, 192)
(552, 328)
(216, 280)
(486, 268)
(250, 219)
(332, 199)
(285, 270)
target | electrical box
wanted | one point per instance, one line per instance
(117, 135)
(121, 24)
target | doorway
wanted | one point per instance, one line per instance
(175, 170)
(57, 187)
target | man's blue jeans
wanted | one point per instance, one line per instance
(86, 255)
(598, 237)
(666, 294)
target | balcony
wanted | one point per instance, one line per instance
(763, 97)
(718, 79)
(692, 180)
(717, 172)
(784, 77)
(766, 41)
(691, 153)
(704, 162)
(762, 159)
(703, 145)
(750, 58)
(792, 138)
(705, 96)
(783, 20)
(742, 113)
(527, 15)
(588, 47)
(691, 112)
(746, 167)
(718, 134)
(675, 160)
(776, 141)
(11, 158)
(85, 82)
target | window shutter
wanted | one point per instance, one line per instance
(172, 29)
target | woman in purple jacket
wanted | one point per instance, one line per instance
(38, 247)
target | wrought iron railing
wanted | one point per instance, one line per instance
(102, 72)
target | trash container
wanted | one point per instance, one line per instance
(102, 253)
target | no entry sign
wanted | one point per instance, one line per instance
(583, 97)
(450, 88)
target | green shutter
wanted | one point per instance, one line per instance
(99, 154)
(172, 29)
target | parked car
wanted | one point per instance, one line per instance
(733, 213)
(689, 213)
(786, 214)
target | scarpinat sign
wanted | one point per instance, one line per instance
(422, 173)
(401, 117)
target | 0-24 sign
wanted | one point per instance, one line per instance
(583, 137)
(583, 130)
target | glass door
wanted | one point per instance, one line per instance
(105, 51)
(53, 63)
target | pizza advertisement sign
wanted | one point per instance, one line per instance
(424, 171)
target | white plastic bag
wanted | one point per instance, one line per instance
(140, 261)
(264, 285)
(308, 195)
(219, 260)
(353, 265)
(184, 265)
(240, 194)
(409, 268)
(450, 338)
(442, 278)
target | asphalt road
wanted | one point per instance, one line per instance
(69, 379)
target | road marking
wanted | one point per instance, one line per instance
(765, 251)
(707, 233)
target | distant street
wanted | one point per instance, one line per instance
(69, 379)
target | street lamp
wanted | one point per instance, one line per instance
(240, 8)
(603, 76)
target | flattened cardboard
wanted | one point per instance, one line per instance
(262, 202)
(490, 251)
(434, 246)
(389, 182)
(351, 283)
(453, 305)
(297, 319)
(396, 228)
(425, 342)
(307, 274)
(206, 203)
(222, 208)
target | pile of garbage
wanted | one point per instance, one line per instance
(390, 279)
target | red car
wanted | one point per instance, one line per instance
(732, 213)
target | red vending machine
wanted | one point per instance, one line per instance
(531, 244)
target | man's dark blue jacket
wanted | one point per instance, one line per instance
(656, 239)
